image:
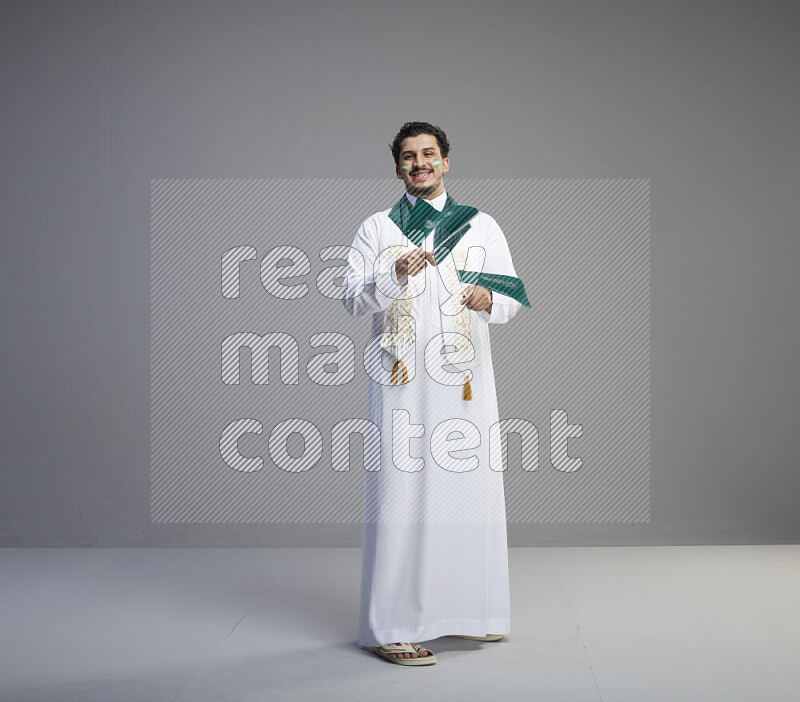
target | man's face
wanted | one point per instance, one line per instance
(421, 166)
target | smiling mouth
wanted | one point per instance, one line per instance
(421, 174)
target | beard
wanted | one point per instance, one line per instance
(422, 189)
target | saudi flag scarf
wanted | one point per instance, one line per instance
(455, 273)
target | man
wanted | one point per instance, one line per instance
(431, 272)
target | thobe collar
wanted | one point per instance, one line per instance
(437, 202)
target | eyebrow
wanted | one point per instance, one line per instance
(427, 148)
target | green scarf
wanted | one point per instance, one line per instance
(451, 224)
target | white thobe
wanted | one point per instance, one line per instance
(435, 551)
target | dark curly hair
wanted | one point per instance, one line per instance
(410, 129)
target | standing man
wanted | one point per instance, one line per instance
(433, 274)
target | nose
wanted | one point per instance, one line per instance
(419, 162)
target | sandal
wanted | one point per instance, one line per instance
(386, 649)
(431, 655)
(488, 637)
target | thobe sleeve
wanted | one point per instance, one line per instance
(369, 276)
(498, 260)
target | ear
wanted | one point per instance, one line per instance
(398, 172)
(445, 165)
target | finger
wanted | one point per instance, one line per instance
(418, 265)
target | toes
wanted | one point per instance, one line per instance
(424, 652)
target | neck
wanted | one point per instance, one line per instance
(431, 196)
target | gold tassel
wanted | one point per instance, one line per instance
(395, 372)
(467, 394)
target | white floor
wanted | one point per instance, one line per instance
(644, 624)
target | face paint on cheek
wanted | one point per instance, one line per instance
(437, 163)
(406, 167)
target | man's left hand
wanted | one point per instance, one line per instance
(477, 298)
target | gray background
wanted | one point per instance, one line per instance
(100, 98)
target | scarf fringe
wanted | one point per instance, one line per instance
(400, 366)
(396, 371)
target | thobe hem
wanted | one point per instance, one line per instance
(445, 627)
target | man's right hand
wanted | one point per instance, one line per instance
(413, 262)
